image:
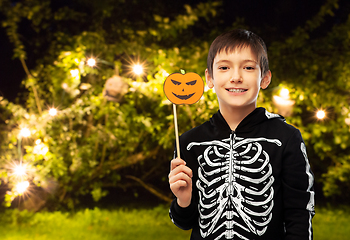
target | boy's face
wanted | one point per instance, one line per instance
(237, 79)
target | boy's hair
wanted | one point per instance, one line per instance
(237, 39)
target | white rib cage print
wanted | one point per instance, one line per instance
(235, 187)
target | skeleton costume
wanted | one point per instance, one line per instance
(251, 183)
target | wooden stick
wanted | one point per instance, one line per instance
(176, 131)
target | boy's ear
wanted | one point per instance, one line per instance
(209, 79)
(265, 82)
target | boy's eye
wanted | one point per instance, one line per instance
(249, 68)
(223, 68)
(176, 82)
(192, 82)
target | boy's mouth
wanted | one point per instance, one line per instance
(236, 90)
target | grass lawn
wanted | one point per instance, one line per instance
(332, 224)
(94, 224)
(145, 224)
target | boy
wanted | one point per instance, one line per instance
(244, 174)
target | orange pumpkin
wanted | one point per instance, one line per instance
(185, 88)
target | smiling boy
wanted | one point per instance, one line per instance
(244, 174)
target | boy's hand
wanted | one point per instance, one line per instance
(180, 180)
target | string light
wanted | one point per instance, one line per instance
(284, 93)
(19, 170)
(91, 62)
(52, 112)
(283, 102)
(21, 187)
(24, 132)
(138, 69)
(320, 114)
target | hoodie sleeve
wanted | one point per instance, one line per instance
(184, 218)
(298, 193)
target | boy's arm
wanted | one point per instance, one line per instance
(184, 218)
(183, 210)
(298, 192)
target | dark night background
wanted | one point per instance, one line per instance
(273, 20)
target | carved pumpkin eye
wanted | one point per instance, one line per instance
(192, 82)
(183, 88)
(175, 82)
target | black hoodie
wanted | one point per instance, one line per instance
(251, 183)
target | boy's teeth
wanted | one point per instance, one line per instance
(236, 90)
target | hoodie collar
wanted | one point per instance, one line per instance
(256, 117)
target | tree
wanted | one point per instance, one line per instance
(93, 143)
(314, 65)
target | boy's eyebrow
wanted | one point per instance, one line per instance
(228, 61)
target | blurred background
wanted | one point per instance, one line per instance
(85, 126)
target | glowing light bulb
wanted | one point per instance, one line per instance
(321, 114)
(19, 170)
(52, 112)
(21, 187)
(24, 132)
(91, 62)
(283, 102)
(284, 93)
(138, 69)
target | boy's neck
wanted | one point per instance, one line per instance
(234, 116)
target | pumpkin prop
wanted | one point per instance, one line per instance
(182, 88)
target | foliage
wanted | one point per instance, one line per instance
(94, 143)
(314, 65)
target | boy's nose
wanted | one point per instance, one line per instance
(239, 79)
(236, 77)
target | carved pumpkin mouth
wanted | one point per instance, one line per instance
(183, 97)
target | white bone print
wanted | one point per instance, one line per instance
(235, 186)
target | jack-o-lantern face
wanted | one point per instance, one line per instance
(183, 88)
